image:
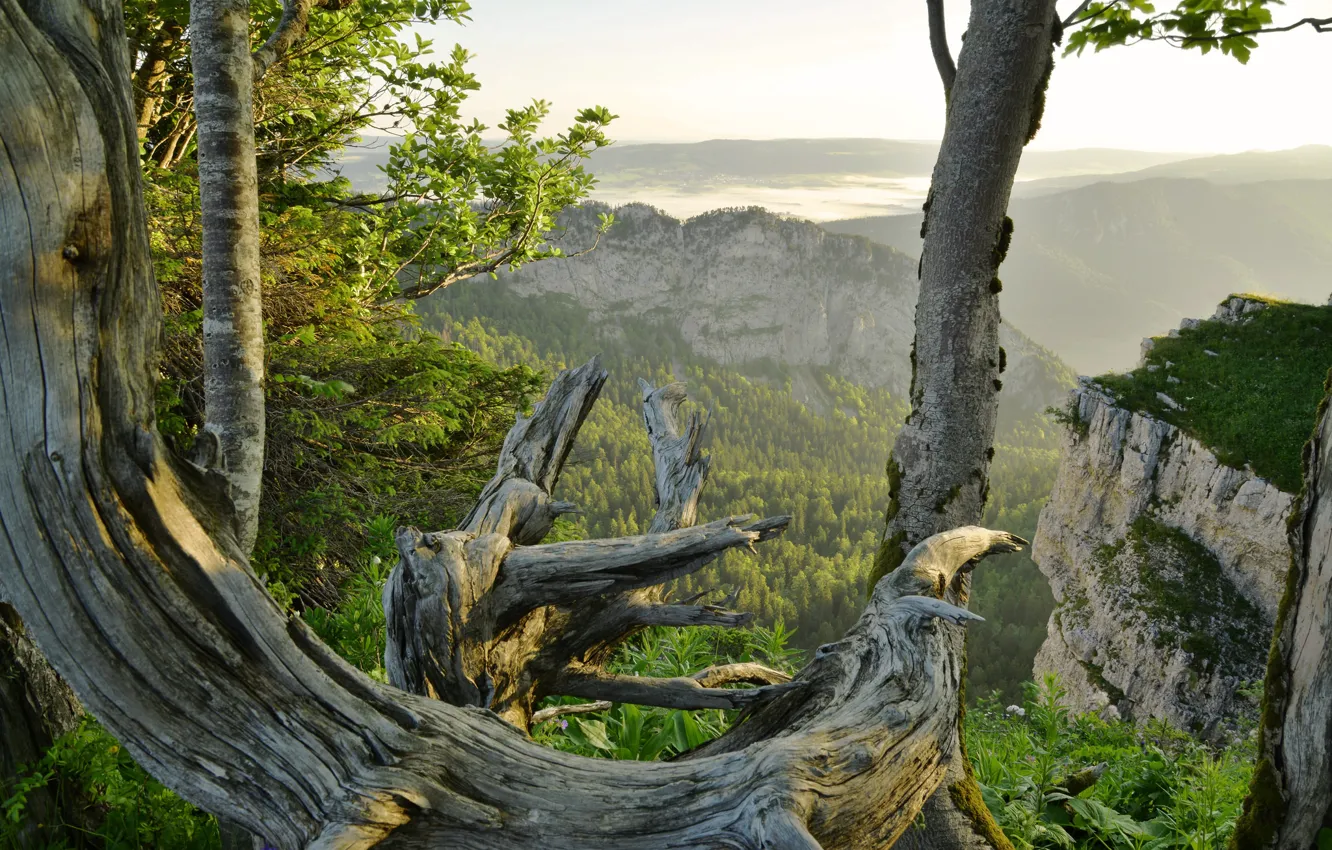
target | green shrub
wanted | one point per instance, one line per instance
(120, 805)
(1160, 788)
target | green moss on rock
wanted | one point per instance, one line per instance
(1249, 391)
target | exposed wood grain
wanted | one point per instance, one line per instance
(677, 457)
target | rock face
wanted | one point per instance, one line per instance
(747, 285)
(1166, 566)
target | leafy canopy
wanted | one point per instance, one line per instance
(1226, 25)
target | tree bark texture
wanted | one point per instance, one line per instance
(939, 469)
(36, 708)
(1290, 797)
(124, 562)
(229, 199)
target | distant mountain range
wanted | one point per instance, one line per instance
(783, 161)
(1110, 246)
(1094, 269)
(1311, 162)
(810, 159)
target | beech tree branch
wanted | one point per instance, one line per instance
(1075, 17)
(943, 56)
(1317, 24)
(290, 31)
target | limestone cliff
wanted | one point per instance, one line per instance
(747, 285)
(1166, 566)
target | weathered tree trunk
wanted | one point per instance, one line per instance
(938, 473)
(229, 199)
(459, 633)
(36, 707)
(1290, 798)
(124, 562)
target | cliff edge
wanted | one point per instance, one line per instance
(1164, 538)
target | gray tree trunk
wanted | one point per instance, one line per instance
(939, 470)
(36, 707)
(124, 562)
(232, 305)
(1290, 798)
(232, 301)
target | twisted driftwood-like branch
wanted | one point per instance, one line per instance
(474, 619)
(122, 560)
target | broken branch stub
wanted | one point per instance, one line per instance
(681, 467)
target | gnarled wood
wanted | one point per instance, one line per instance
(122, 560)
(681, 466)
(475, 621)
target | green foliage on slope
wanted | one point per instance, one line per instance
(822, 463)
(1247, 391)
(1160, 788)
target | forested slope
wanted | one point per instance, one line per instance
(821, 462)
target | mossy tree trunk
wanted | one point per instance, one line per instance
(1290, 798)
(938, 473)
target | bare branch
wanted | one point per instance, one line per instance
(291, 29)
(745, 672)
(930, 567)
(533, 455)
(555, 711)
(943, 57)
(563, 573)
(690, 615)
(681, 692)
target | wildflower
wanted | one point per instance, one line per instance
(564, 724)
(1016, 709)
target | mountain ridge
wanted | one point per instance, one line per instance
(746, 286)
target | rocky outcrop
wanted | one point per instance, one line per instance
(1166, 567)
(747, 285)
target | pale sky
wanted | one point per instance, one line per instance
(691, 70)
